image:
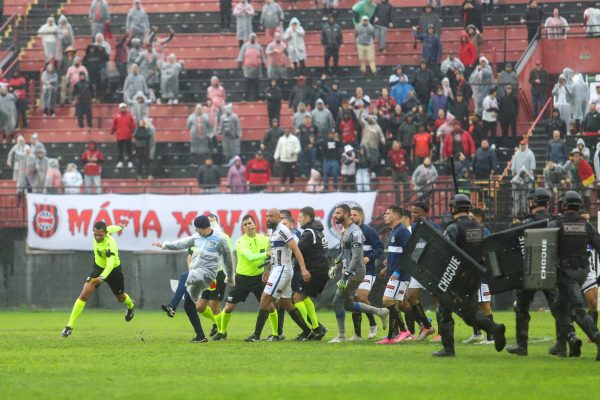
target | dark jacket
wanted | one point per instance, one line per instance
(384, 12)
(591, 122)
(557, 151)
(508, 108)
(472, 16)
(330, 149)
(424, 82)
(538, 88)
(273, 96)
(533, 18)
(373, 247)
(333, 99)
(484, 163)
(331, 35)
(461, 113)
(432, 47)
(270, 140)
(556, 124)
(209, 177)
(142, 137)
(300, 94)
(314, 248)
(82, 91)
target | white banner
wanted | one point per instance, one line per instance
(65, 222)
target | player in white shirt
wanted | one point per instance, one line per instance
(279, 282)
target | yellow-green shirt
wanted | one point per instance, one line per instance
(106, 253)
(251, 254)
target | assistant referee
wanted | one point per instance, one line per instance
(251, 251)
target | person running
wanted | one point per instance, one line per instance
(211, 248)
(279, 283)
(351, 258)
(107, 268)
(315, 250)
(373, 249)
(251, 249)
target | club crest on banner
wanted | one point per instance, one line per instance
(45, 221)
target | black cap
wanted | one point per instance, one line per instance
(202, 222)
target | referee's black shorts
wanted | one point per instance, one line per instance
(314, 287)
(244, 285)
(115, 279)
(219, 292)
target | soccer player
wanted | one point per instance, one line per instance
(353, 272)
(211, 248)
(251, 249)
(590, 285)
(279, 284)
(373, 249)
(419, 211)
(397, 280)
(484, 296)
(315, 250)
(107, 268)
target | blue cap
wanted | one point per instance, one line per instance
(202, 222)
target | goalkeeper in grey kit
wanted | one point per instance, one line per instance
(353, 272)
(211, 248)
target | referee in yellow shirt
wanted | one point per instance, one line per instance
(107, 268)
(251, 250)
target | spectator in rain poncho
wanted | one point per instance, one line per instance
(507, 76)
(98, 16)
(315, 182)
(271, 18)
(243, 13)
(134, 83)
(65, 33)
(481, 80)
(581, 95)
(201, 131)
(169, 79)
(563, 98)
(251, 59)
(49, 34)
(231, 132)
(134, 52)
(236, 176)
(216, 93)
(25, 172)
(294, 37)
(39, 172)
(401, 88)
(72, 179)
(72, 76)
(148, 62)
(139, 106)
(556, 26)
(444, 130)
(49, 90)
(100, 41)
(423, 179)
(15, 156)
(53, 181)
(137, 23)
(8, 111)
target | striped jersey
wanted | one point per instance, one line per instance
(281, 253)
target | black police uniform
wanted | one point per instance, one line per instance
(315, 251)
(575, 233)
(525, 297)
(468, 235)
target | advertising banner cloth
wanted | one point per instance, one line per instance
(65, 222)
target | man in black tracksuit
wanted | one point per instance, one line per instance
(574, 235)
(315, 250)
(538, 201)
(331, 39)
(468, 235)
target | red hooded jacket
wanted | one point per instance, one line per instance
(259, 172)
(468, 145)
(468, 51)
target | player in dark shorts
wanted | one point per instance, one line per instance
(315, 250)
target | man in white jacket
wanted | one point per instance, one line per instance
(286, 153)
(523, 170)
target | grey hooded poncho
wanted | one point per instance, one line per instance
(169, 79)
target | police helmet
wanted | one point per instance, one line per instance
(572, 200)
(539, 196)
(460, 203)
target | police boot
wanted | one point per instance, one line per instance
(445, 352)
(574, 346)
(499, 336)
(517, 350)
(559, 349)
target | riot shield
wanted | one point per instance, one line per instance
(503, 257)
(541, 259)
(445, 270)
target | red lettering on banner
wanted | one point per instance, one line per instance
(151, 223)
(103, 214)
(77, 221)
(319, 214)
(228, 226)
(184, 222)
(121, 216)
(263, 220)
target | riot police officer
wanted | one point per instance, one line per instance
(538, 202)
(468, 235)
(574, 235)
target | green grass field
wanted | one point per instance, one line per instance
(151, 358)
